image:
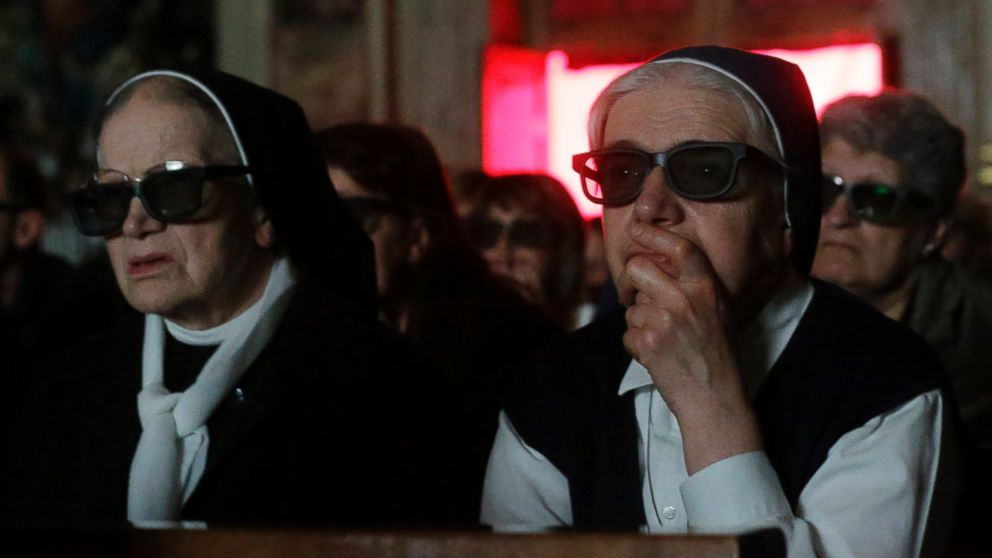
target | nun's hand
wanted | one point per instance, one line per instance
(677, 327)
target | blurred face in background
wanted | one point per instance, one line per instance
(596, 270)
(518, 246)
(870, 260)
(21, 227)
(396, 235)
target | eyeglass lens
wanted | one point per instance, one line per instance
(102, 206)
(696, 172)
(876, 203)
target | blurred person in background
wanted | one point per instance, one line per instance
(254, 384)
(893, 168)
(600, 293)
(530, 232)
(30, 280)
(46, 305)
(432, 285)
(969, 237)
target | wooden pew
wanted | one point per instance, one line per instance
(210, 543)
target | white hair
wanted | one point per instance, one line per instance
(689, 75)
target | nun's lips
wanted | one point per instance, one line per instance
(149, 264)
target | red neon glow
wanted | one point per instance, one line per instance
(838, 71)
(534, 116)
(514, 111)
(571, 93)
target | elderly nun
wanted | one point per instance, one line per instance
(258, 386)
(734, 393)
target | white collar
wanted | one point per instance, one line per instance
(760, 344)
(246, 336)
(216, 334)
(154, 485)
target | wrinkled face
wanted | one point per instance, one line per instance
(862, 257)
(517, 245)
(742, 234)
(390, 233)
(199, 273)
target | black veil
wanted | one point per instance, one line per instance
(781, 90)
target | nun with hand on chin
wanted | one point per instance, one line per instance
(255, 386)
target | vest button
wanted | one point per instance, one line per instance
(668, 512)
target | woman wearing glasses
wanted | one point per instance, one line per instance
(733, 393)
(893, 169)
(258, 386)
(530, 232)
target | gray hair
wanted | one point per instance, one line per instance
(908, 129)
(688, 75)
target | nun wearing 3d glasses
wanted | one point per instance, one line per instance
(734, 393)
(258, 386)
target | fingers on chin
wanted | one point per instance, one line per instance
(641, 341)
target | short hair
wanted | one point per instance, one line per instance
(26, 187)
(398, 163)
(547, 197)
(686, 75)
(908, 129)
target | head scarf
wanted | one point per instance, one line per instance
(781, 91)
(312, 225)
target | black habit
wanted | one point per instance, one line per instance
(337, 422)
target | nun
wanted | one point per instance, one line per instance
(256, 385)
(734, 393)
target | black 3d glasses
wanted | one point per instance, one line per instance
(875, 202)
(171, 192)
(693, 170)
(527, 233)
(368, 210)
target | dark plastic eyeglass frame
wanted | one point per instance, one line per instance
(136, 187)
(740, 151)
(905, 199)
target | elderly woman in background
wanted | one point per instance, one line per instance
(257, 385)
(893, 169)
(530, 232)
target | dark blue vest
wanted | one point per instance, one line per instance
(845, 364)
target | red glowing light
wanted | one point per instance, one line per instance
(535, 107)
(514, 111)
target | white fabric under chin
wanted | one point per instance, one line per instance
(160, 473)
